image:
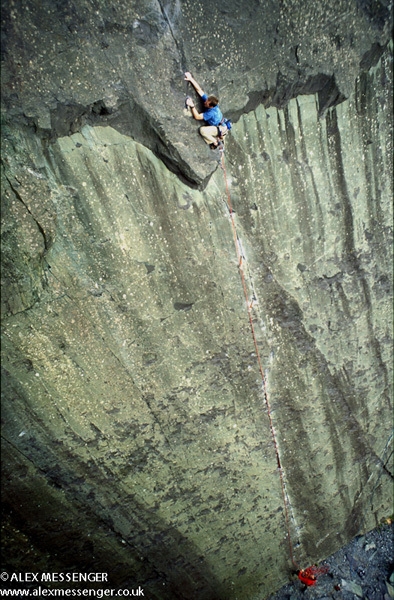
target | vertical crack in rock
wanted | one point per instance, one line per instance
(39, 226)
(178, 44)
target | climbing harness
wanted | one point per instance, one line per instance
(224, 123)
(307, 576)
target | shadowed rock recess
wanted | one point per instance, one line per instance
(135, 434)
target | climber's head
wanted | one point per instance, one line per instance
(211, 101)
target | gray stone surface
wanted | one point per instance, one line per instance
(135, 429)
(362, 569)
(122, 63)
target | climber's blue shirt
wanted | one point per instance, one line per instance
(212, 116)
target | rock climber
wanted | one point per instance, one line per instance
(216, 126)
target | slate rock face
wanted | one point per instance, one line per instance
(136, 434)
(122, 63)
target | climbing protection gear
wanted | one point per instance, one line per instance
(227, 123)
(223, 123)
(307, 576)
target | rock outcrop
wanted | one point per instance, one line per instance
(136, 438)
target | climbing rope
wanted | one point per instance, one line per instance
(306, 576)
(249, 306)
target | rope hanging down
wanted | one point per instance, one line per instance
(307, 576)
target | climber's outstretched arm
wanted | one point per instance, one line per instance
(198, 116)
(199, 90)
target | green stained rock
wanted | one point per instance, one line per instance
(135, 423)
